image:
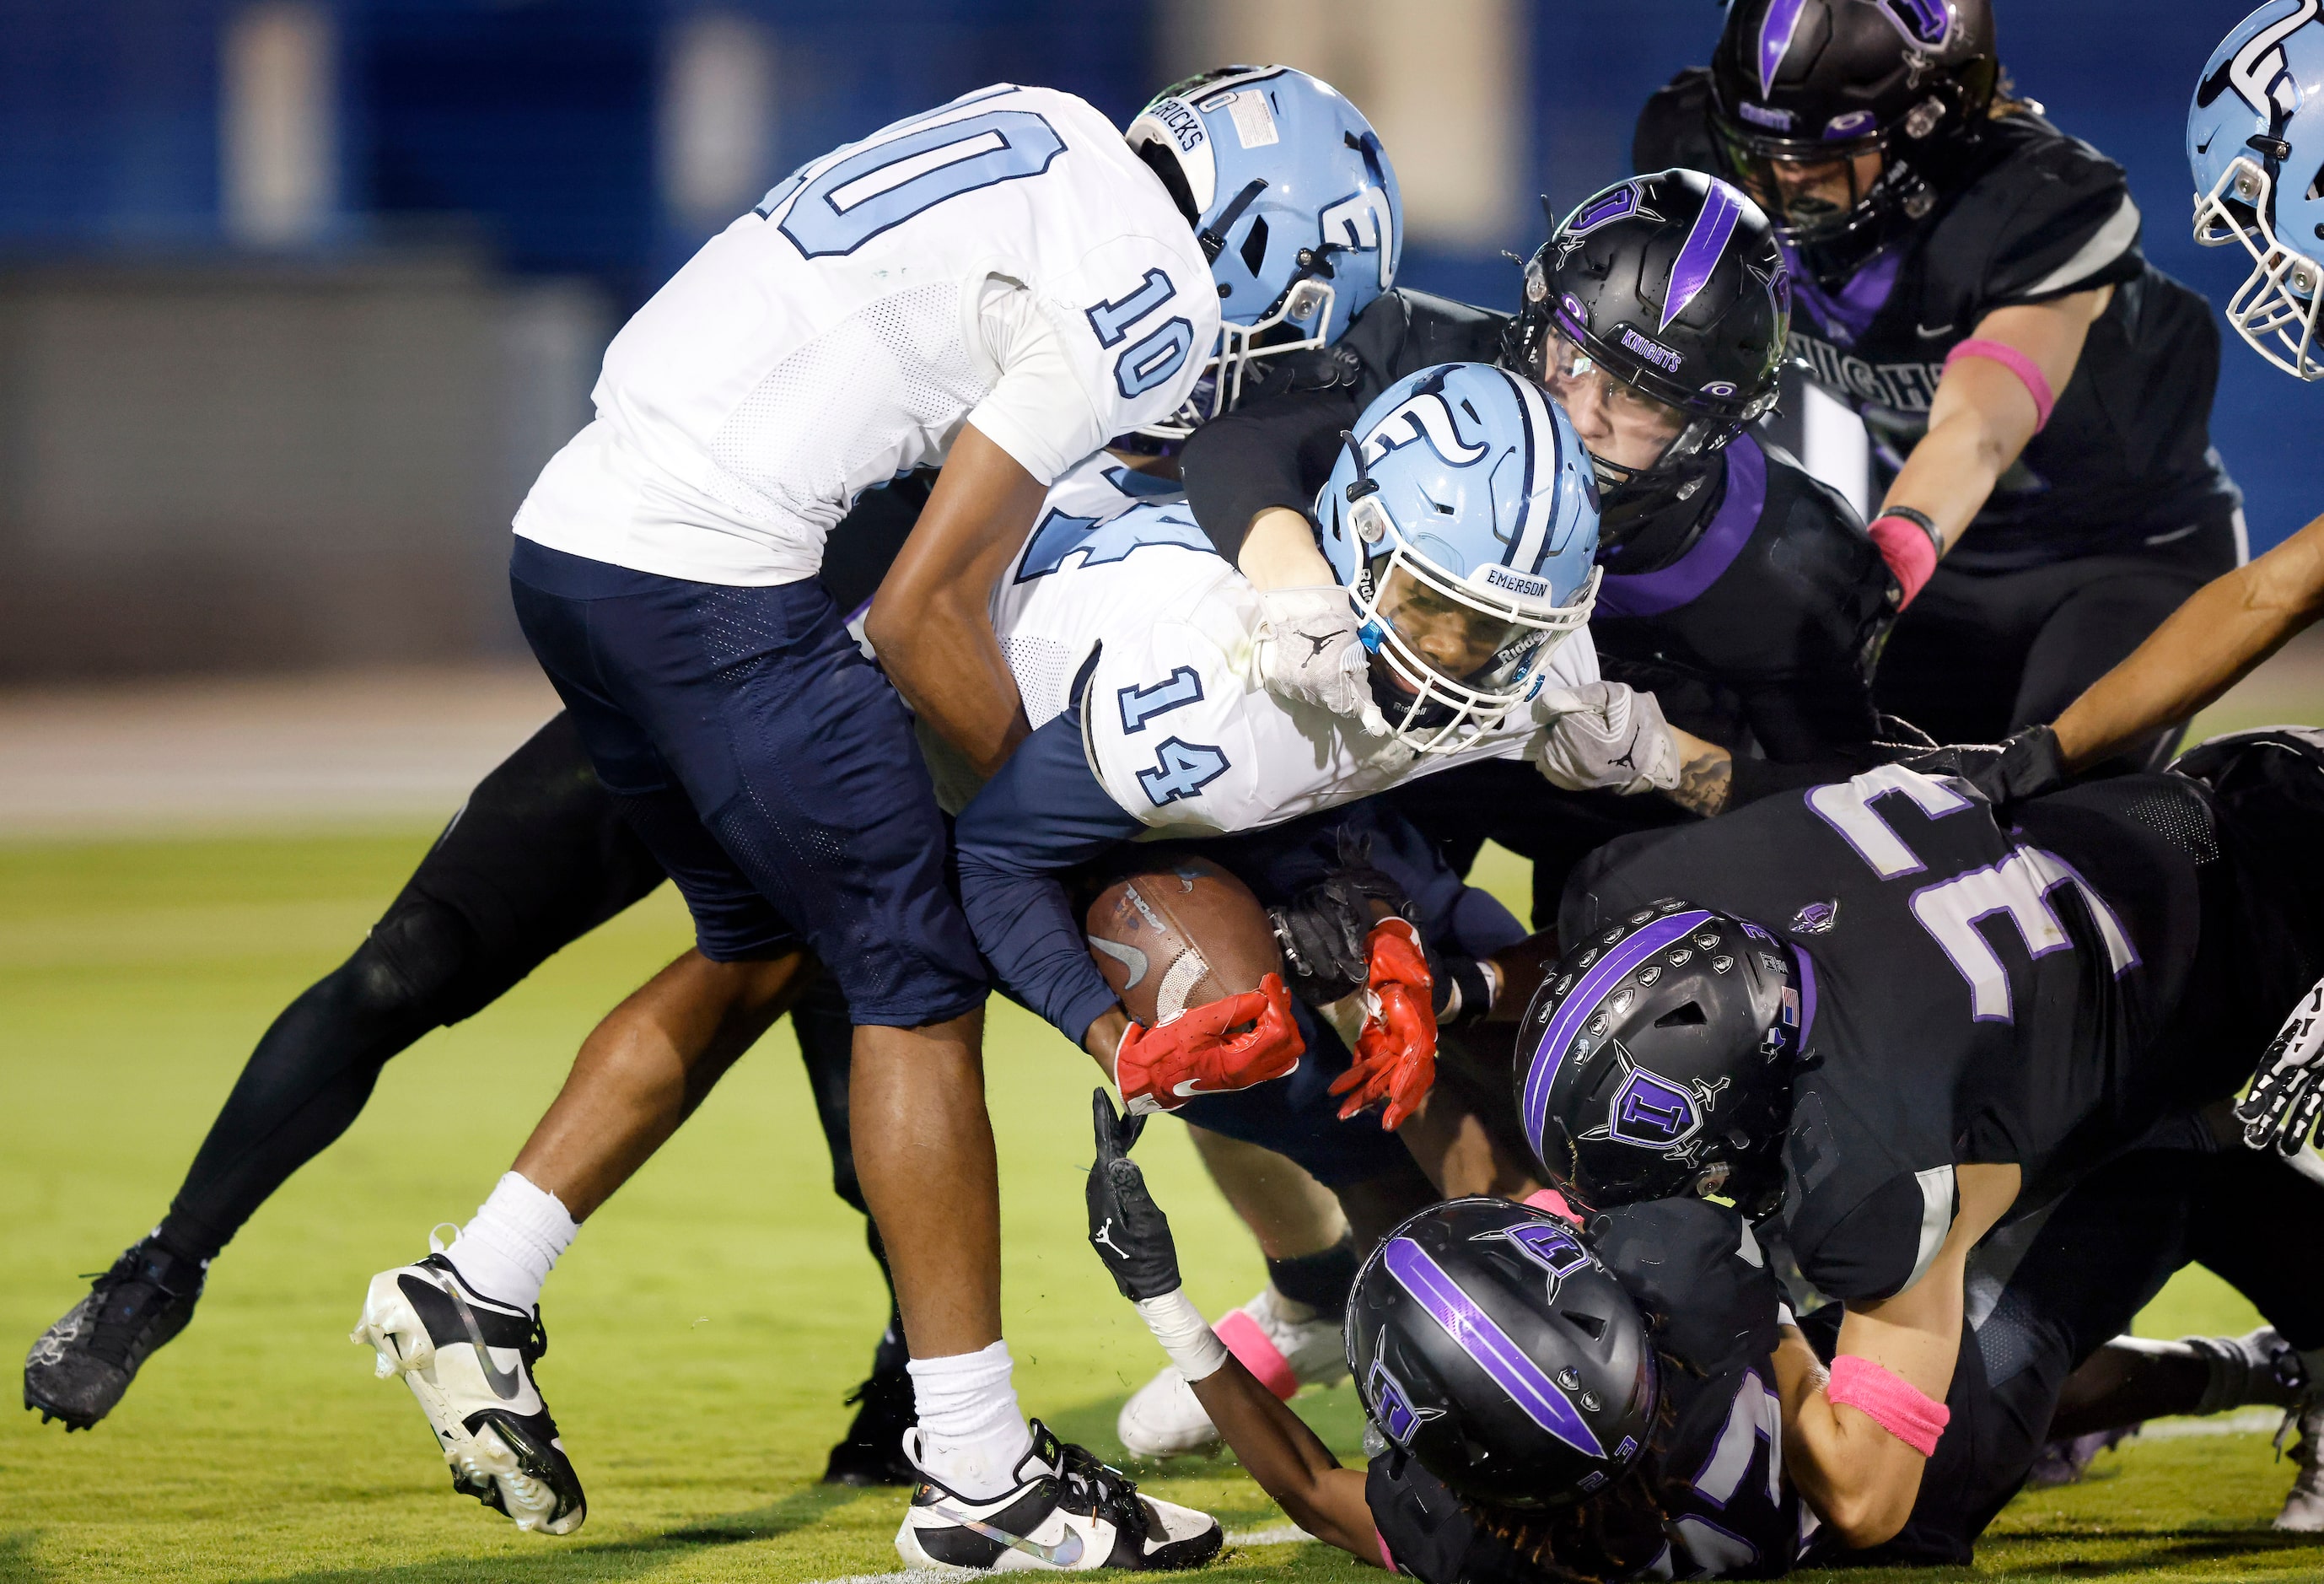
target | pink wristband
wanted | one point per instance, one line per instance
(1550, 1199)
(1892, 1402)
(2027, 371)
(1261, 1356)
(1905, 546)
(1388, 1557)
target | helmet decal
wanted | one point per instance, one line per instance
(1481, 1336)
(1423, 415)
(1612, 205)
(1578, 1008)
(1392, 1408)
(2259, 71)
(1553, 1247)
(1922, 22)
(1654, 1113)
(1704, 246)
(1775, 40)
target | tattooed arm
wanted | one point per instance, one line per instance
(1705, 774)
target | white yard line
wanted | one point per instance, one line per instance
(2243, 1422)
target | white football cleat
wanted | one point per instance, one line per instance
(2304, 1508)
(1285, 1345)
(468, 1360)
(1067, 1513)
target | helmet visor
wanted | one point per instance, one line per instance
(1455, 641)
(1627, 430)
(1813, 192)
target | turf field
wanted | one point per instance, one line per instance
(707, 1322)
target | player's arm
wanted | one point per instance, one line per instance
(1043, 814)
(1855, 1442)
(2215, 640)
(931, 622)
(1132, 1236)
(1989, 405)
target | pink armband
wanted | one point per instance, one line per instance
(2027, 371)
(1263, 1358)
(1893, 1402)
(1910, 552)
(1388, 1557)
(1550, 1199)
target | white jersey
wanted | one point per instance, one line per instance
(1005, 260)
(1176, 726)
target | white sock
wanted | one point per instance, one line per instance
(973, 1434)
(509, 1249)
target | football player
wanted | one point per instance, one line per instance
(1461, 525)
(1736, 588)
(998, 286)
(1969, 279)
(1898, 1019)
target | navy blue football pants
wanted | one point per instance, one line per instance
(768, 766)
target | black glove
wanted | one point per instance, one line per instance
(1321, 929)
(1126, 1227)
(2024, 765)
(2288, 1095)
(1302, 372)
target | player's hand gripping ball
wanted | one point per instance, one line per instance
(1396, 1051)
(1230, 1044)
(2288, 1095)
(1126, 1227)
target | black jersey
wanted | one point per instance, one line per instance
(1753, 611)
(2030, 216)
(1717, 1467)
(2035, 996)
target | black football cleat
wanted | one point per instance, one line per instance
(83, 1364)
(468, 1360)
(874, 1450)
(1068, 1512)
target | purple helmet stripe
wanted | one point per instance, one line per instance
(1704, 247)
(1807, 994)
(1775, 40)
(1595, 986)
(1496, 1353)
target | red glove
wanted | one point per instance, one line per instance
(1396, 1051)
(1161, 1068)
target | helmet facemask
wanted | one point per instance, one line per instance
(1450, 659)
(2276, 308)
(1297, 322)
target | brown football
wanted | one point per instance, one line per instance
(1168, 938)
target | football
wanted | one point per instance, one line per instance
(1168, 938)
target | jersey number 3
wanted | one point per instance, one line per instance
(1953, 911)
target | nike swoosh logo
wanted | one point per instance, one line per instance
(2204, 147)
(1931, 332)
(504, 1382)
(1063, 1554)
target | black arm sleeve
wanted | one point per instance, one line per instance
(1272, 453)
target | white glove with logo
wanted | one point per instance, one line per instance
(1309, 654)
(1602, 736)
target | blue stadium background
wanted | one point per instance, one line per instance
(527, 126)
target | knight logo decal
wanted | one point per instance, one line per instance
(1423, 416)
(1392, 1406)
(1651, 1112)
(1817, 918)
(1554, 1248)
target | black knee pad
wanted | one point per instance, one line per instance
(422, 962)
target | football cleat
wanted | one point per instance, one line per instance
(468, 1360)
(874, 1450)
(1068, 1512)
(1285, 1345)
(2303, 1507)
(2065, 1462)
(82, 1364)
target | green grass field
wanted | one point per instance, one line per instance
(707, 1323)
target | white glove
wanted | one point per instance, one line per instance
(1309, 654)
(1602, 736)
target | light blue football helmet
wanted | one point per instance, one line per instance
(1463, 523)
(2256, 145)
(1296, 207)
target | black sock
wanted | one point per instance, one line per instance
(1322, 1281)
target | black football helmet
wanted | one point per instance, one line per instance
(1673, 282)
(1490, 1344)
(1809, 82)
(1658, 1059)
